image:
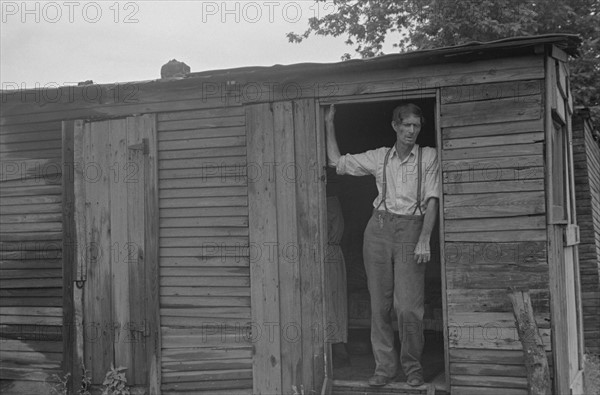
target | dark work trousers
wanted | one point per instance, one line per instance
(395, 281)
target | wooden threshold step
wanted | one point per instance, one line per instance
(343, 387)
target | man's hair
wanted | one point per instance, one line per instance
(405, 110)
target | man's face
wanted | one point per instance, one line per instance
(408, 130)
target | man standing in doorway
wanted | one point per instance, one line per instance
(397, 238)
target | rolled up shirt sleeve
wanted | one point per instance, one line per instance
(432, 177)
(358, 164)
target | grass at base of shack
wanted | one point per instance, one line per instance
(591, 375)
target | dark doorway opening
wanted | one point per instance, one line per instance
(361, 127)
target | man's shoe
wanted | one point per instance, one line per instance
(379, 380)
(415, 380)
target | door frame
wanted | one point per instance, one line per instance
(434, 93)
(562, 235)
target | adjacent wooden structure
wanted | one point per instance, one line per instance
(586, 157)
(177, 227)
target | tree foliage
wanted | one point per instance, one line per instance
(425, 24)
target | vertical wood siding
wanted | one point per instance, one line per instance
(495, 229)
(204, 252)
(287, 209)
(31, 294)
(586, 157)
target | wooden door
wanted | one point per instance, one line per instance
(115, 189)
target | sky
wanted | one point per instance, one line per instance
(49, 43)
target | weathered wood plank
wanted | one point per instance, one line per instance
(32, 273)
(495, 129)
(40, 153)
(118, 224)
(32, 311)
(26, 200)
(206, 242)
(20, 264)
(536, 362)
(31, 320)
(489, 336)
(240, 260)
(30, 208)
(236, 281)
(208, 387)
(202, 153)
(201, 114)
(226, 201)
(207, 172)
(491, 300)
(204, 365)
(496, 276)
(491, 111)
(485, 225)
(204, 182)
(203, 232)
(97, 290)
(31, 283)
(309, 201)
(204, 291)
(494, 186)
(239, 313)
(488, 356)
(453, 174)
(204, 271)
(7, 148)
(494, 205)
(489, 381)
(290, 301)
(27, 128)
(469, 153)
(487, 169)
(28, 373)
(200, 192)
(213, 374)
(24, 169)
(31, 302)
(523, 252)
(498, 236)
(238, 351)
(477, 142)
(217, 142)
(497, 90)
(204, 123)
(209, 222)
(151, 284)
(173, 305)
(264, 272)
(168, 135)
(470, 390)
(25, 218)
(203, 164)
(30, 190)
(487, 369)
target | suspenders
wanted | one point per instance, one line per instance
(384, 189)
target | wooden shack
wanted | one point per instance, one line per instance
(177, 227)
